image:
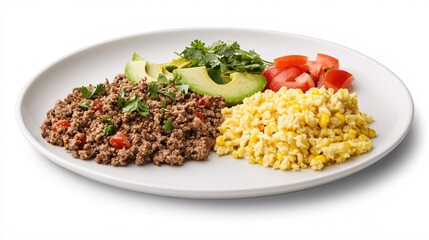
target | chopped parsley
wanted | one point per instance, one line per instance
(183, 88)
(222, 58)
(164, 106)
(135, 105)
(84, 106)
(106, 118)
(168, 125)
(100, 89)
(153, 90)
(109, 130)
(121, 100)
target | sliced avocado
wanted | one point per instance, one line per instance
(177, 63)
(139, 69)
(136, 57)
(242, 85)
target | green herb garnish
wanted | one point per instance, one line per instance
(171, 95)
(183, 88)
(222, 59)
(153, 90)
(162, 78)
(170, 68)
(168, 125)
(121, 100)
(84, 106)
(88, 94)
(109, 130)
(135, 105)
(164, 106)
(106, 118)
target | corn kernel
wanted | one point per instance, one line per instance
(235, 154)
(340, 116)
(220, 141)
(324, 120)
(372, 133)
(222, 129)
(280, 157)
(320, 158)
(352, 132)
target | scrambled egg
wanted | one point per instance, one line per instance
(289, 129)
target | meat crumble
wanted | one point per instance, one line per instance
(170, 130)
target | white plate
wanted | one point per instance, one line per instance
(381, 94)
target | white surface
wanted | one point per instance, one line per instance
(218, 177)
(40, 199)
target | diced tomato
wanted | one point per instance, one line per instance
(119, 141)
(98, 105)
(80, 138)
(337, 79)
(287, 75)
(200, 115)
(314, 68)
(290, 61)
(327, 62)
(270, 72)
(204, 103)
(305, 79)
(60, 123)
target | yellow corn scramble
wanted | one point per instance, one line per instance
(289, 129)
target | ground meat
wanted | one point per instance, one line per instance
(195, 120)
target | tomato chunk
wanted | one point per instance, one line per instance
(327, 62)
(80, 138)
(337, 79)
(119, 141)
(200, 115)
(98, 105)
(287, 75)
(290, 61)
(305, 79)
(270, 72)
(60, 123)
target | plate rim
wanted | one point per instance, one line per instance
(204, 194)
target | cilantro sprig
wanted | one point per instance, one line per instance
(222, 58)
(168, 125)
(135, 105)
(100, 89)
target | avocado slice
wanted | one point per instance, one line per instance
(139, 69)
(242, 85)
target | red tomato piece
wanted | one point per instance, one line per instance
(98, 105)
(290, 61)
(270, 72)
(287, 75)
(80, 138)
(337, 79)
(327, 62)
(305, 79)
(60, 123)
(314, 68)
(200, 115)
(119, 141)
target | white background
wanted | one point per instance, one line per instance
(39, 199)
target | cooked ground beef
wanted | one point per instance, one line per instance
(194, 118)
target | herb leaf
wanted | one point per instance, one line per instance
(135, 105)
(109, 130)
(106, 118)
(121, 101)
(162, 78)
(164, 106)
(168, 125)
(222, 58)
(98, 90)
(153, 90)
(183, 88)
(131, 105)
(84, 106)
(171, 95)
(143, 109)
